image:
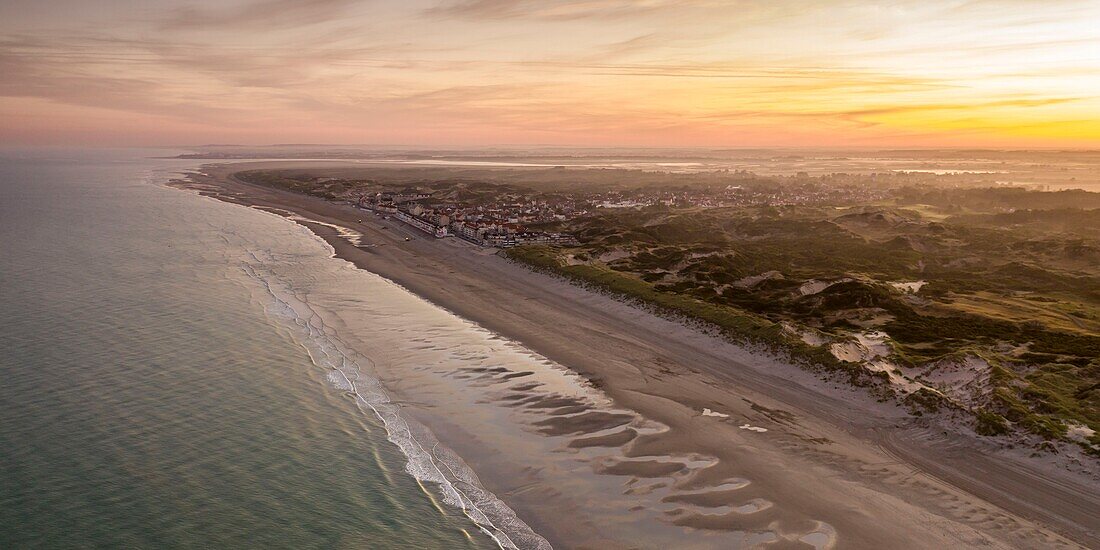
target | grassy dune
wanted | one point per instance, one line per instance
(1023, 297)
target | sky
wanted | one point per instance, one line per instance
(595, 73)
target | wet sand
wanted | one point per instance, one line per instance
(834, 467)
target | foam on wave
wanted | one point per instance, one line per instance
(427, 459)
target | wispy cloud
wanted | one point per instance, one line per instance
(257, 14)
(571, 10)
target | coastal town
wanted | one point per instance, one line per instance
(512, 217)
(501, 225)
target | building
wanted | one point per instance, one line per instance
(438, 231)
(468, 231)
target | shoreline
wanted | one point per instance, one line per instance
(824, 443)
(344, 370)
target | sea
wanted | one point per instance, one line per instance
(158, 391)
(177, 371)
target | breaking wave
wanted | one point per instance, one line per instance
(428, 461)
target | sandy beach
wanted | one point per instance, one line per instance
(770, 446)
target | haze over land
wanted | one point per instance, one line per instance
(958, 73)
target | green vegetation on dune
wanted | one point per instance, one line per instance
(331, 188)
(737, 324)
(1012, 288)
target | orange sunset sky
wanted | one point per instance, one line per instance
(661, 73)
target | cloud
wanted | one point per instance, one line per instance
(872, 117)
(479, 9)
(119, 75)
(570, 10)
(1022, 103)
(31, 78)
(258, 14)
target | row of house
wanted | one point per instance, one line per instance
(427, 226)
(497, 235)
(498, 226)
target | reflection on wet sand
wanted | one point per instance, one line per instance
(588, 429)
(549, 435)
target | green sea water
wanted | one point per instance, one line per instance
(147, 401)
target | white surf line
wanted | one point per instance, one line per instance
(462, 499)
(484, 523)
(352, 236)
(447, 486)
